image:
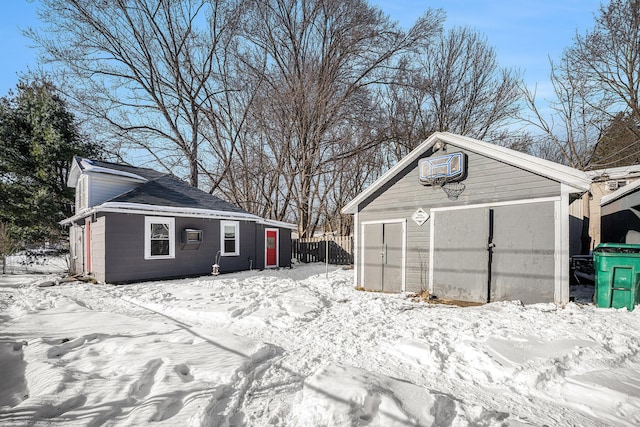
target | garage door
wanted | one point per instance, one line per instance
(523, 266)
(382, 256)
(498, 253)
(460, 254)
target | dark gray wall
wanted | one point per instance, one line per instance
(488, 181)
(620, 218)
(284, 247)
(124, 249)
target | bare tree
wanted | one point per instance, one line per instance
(568, 135)
(608, 58)
(322, 56)
(150, 70)
(453, 85)
(596, 91)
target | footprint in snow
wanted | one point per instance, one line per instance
(54, 411)
(67, 345)
(168, 408)
(142, 387)
(184, 372)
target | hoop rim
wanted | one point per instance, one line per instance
(453, 189)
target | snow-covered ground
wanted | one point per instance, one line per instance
(293, 348)
(36, 261)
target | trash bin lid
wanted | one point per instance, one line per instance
(621, 248)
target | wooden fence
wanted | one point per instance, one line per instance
(315, 250)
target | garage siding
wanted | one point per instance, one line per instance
(488, 181)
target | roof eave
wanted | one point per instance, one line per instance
(575, 179)
(142, 209)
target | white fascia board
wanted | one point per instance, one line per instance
(81, 165)
(142, 209)
(279, 224)
(89, 168)
(623, 191)
(74, 173)
(576, 179)
(564, 174)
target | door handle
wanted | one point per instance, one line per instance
(383, 254)
(490, 246)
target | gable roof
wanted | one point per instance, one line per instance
(557, 172)
(159, 193)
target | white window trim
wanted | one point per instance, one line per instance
(82, 193)
(148, 220)
(235, 224)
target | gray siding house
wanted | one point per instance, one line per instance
(501, 231)
(620, 215)
(134, 224)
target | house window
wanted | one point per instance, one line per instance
(159, 237)
(81, 193)
(230, 238)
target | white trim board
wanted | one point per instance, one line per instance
(142, 209)
(491, 204)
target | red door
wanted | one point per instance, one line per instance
(271, 248)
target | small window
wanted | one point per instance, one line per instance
(230, 238)
(159, 238)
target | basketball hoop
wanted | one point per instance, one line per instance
(453, 189)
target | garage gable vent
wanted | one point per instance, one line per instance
(613, 185)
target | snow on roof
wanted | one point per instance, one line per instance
(89, 166)
(143, 209)
(613, 173)
(620, 192)
(555, 171)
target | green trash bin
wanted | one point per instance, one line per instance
(617, 267)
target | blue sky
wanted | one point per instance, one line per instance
(17, 55)
(525, 33)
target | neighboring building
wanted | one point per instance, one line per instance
(506, 236)
(134, 224)
(620, 215)
(604, 182)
